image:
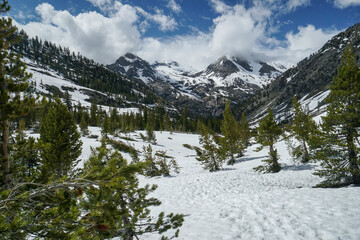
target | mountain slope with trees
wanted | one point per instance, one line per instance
(309, 78)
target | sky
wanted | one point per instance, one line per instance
(192, 32)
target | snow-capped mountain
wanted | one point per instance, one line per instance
(309, 80)
(134, 67)
(228, 78)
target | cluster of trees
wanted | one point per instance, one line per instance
(42, 193)
(334, 142)
(81, 70)
(218, 148)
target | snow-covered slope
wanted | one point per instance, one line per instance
(309, 79)
(48, 82)
(228, 78)
(238, 203)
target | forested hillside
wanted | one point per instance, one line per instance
(81, 70)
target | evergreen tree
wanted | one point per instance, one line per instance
(151, 169)
(93, 114)
(159, 163)
(25, 156)
(303, 127)
(245, 131)
(167, 122)
(268, 134)
(67, 100)
(339, 146)
(104, 201)
(210, 155)
(166, 163)
(83, 124)
(58, 132)
(150, 134)
(184, 120)
(106, 125)
(231, 142)
(118, 206)
(12, 83)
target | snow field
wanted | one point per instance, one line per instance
(238, 203)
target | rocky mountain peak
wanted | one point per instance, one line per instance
(134, 67)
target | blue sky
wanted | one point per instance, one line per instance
(192, 32)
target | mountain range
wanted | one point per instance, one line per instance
(205, 91)
(250, 85)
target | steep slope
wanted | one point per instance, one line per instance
(134, 67)
(202, 92)
(61, 70)
(309, 80)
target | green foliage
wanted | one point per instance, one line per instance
(231, 142)
(118, 207)
(82, 70)
(245, 131)
(338, 145)
(83, 124)
(25, 156)
(104, 201)
(13, 104)
(106, 126)
(150, 134)
(123, 147)
(166, 163)
(159, 163)
(303, 128)
(58, 132)
(268, 134)
(210, 156)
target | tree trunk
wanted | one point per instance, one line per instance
(354, 167)
(5, 156)
(306, 154)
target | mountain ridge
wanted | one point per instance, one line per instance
(205, 91)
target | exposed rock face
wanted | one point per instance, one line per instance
(204, 92)
(134, 67)
(310, 77)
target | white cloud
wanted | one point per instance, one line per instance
(346, 3)
(293, 4)
(92, 34)
(301, 44)
(219, 6)
(174, 6)
(244, 32)
(166, 23)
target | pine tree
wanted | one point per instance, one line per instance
(159, 163)
(245, 131)
(106, 125)
(67, 100)
(303, 127)
(118, 206)
(12, 83)
(83, 124)
(210, 155)
(25, 156)
(268, 134)
(166, 163)
(93, 114)
(167, 122)
(150, 134)
(184, 120)
(58, 132)
(231, 142)
(339, 149)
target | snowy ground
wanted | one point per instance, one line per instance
(237, 203)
